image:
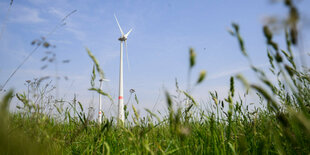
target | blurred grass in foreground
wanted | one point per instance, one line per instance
(280, 127)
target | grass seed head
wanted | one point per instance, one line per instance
(192, 57)
(202, 76)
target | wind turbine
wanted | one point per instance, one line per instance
(122, 39)
(100, 104)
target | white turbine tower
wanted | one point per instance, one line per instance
(122, 39)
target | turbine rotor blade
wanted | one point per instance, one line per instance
(128, 64)
(119, 25)
(127, 34)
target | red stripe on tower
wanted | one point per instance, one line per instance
(120, 97)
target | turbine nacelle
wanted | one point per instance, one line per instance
(106, 80)
(122, 38)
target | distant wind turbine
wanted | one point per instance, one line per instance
(122, 39)
(100, 104)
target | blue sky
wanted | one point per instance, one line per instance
(163, 32)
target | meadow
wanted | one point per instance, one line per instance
(281, 125)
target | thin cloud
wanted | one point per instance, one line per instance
(24, 14)
(80, 35)
(57, 12)
(233, 72)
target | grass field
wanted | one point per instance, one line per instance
(280, 126)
